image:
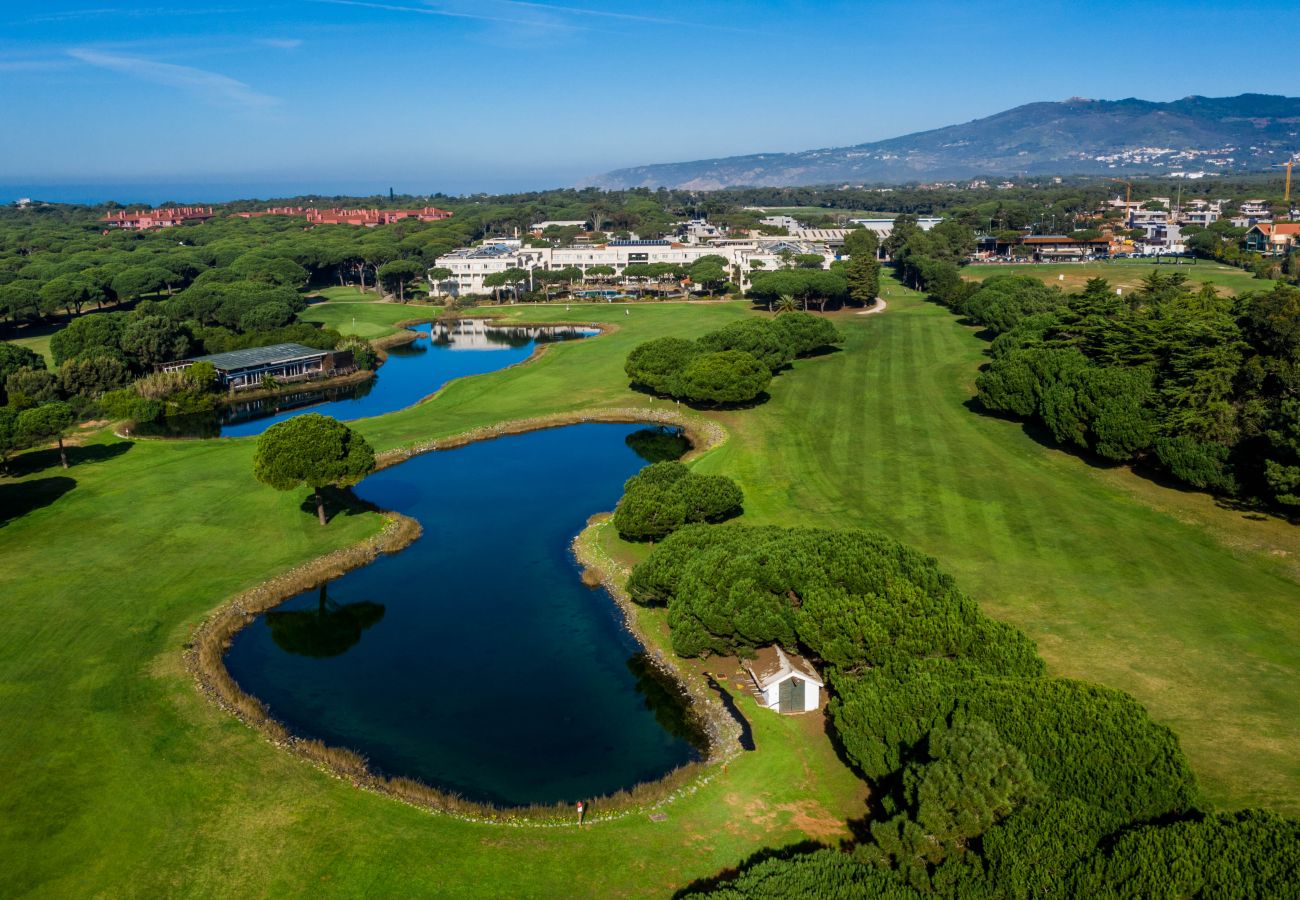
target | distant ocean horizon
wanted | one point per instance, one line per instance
(152, 193)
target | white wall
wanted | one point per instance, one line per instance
(811, 695)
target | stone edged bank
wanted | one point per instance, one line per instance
(205, 653)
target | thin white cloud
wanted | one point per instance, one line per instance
(626, 17)
(280, 43)
(9, 64)
(210, 86)
(532, 22)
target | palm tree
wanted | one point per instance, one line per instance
(786, 303)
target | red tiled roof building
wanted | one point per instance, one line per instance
(373, 217)
(158, 218)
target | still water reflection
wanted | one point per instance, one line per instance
(475, 659)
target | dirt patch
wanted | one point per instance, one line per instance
(812, 819)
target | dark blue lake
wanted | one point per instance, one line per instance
(412, 372)
(475, 659)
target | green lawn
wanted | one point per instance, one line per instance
(40, 343)
(1126, 273)
(363, 315)
(1193, 609)
(121, 779)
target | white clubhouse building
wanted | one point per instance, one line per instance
(469, 266)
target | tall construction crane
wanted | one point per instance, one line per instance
(1128, 198)
(1286, 198)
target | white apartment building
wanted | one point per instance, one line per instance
(471, 265)
(885, 227)
(789, 223)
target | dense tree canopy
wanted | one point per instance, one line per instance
(988, 778)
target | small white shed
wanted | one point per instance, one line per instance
(784, 681)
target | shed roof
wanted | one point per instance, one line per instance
(261, 356)
(772, 665)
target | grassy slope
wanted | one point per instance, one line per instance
(120, 779)
(1126, 273)
(1191, 608)
(351, 312)
(38, 343)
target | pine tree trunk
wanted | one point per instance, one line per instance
(320, 506)
(63, 456)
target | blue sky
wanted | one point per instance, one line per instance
(222, 96)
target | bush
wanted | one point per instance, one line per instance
(1083, 741)
(666, 495)
(853, 598)
(28, 386)
(658, 364)
(728, 376)
(1199, 463)
(757, 337)
(1254, 853)
(363, 355)
(1002, 301)
(126, 404)
(804, 334)
(92, 376)
(13, 358)
(709, 498)
(648, 513)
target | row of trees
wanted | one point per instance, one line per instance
(732, 365)
(988, 778)
(1198, 386)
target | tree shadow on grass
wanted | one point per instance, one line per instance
(721, 407)
(39, 460)
(17, 499)
(338, 502)
(746, 739)
(1042, 435)
(820, 352)
(730, 874)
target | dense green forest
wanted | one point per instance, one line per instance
(988, 777)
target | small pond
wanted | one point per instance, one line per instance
(475, 659)
(412, 372)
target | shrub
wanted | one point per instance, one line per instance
(709, 498)
(363, 355)
(728, 376)
(1254, 853)
(92, 376)
(757, 337)
(27, 386)
(13, 358)
(648, 513)
(126, 404)
(853, 598)
(657, 364)
(1002, 301)
(666, 495)
(803, 333)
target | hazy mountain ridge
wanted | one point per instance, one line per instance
(1075, 136)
